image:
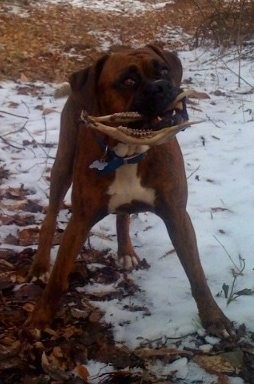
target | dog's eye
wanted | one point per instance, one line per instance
(129, 82)
(164, 72)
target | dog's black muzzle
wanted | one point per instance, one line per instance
(155, 97)
(153, 102)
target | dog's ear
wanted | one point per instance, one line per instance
(173, 62)
(84, 83)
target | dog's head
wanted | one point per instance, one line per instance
(145, 80)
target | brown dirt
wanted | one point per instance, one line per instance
(51, 41)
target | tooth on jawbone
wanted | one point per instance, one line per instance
(134, 132)
(120, 117)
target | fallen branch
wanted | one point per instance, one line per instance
(14, 114)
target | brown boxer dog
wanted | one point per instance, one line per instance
(131, 178)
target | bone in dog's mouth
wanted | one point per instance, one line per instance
(155, 131)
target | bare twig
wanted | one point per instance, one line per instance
(240, 41)
(236, 275)
(228, 254)
(11, 145)
(45, 127)
(14, 114)
(192, 173)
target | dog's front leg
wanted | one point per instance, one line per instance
(60, 183)
(183, 237)
(72, 241)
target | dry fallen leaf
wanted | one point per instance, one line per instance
(82, 371)
(57, 352)
(47, 111)
(13, 205)
(28, 236)
(199, 95)
(23, 78)
(14, 193)
(12, 104)
(63, 91)
(45, 362)
(5, 264)
(79, 314)
(95, 316)
(160, 353)
(28, 307)
(215, 364)
(10, 276)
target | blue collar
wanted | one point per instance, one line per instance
(105, 166)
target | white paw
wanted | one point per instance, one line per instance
(129, 262)
(44, 277)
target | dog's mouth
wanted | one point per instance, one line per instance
(143, 130)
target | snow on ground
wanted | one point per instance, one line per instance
(123, 6)
(220, 169)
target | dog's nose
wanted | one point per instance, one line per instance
(162, 88)
(155, 97)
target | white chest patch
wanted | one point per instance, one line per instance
(126, 186)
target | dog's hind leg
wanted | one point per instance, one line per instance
(183, 238)
(127, 257)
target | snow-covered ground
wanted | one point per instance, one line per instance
(220, 169)
(123, 6)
